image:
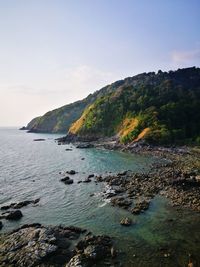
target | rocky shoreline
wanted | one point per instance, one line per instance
(46, 246)
(175, 175)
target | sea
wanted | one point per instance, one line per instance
(162, 236)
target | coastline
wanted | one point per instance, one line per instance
(176, 163)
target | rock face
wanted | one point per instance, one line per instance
(37, 245)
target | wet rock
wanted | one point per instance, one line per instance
(140, 207)
(87, 180)
(37, 245)
(79, 182)
(126, 221)
(21, 204)
(90, 176)
(39, 139)
(67, 181)
(122, 173)
(67, 178)
(68, 149)
(78, 261)
(72, 172)
(121, 202)
(84, 145)
(14, 215)
(1, 225)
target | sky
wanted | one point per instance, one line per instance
(54, 52)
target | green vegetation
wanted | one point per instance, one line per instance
(161, 108)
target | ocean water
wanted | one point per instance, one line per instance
(30, 170)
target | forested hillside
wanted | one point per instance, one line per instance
(159, 108)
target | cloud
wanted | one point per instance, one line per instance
(186, 57)
(75, 83)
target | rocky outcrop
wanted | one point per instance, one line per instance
(45, 246)
(12, 215)
(21, 204)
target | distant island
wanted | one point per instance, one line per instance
(158, 108)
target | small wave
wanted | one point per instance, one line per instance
(106, 201)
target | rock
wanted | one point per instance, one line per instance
(85, 145)
(38, 245)
(39, 139)
(82, 158)
(21, 204)
(14, 215)
(94, 252)
(67, 178)
(68, 149)
(87, 180)
(78, 261)
(122, 173)
(1, 225)
(121, 202)
(90, 176)
(126, 221)
(72, 172)
(23, 128)
(140, 207)
(79, 182)
(68, 181)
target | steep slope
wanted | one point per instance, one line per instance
(59, 120)
(161, 108)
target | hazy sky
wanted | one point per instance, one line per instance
(53, 52)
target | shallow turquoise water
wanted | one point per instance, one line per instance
(31, 169)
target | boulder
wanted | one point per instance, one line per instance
(14, 215)
(126, 221)
(67, 178)
(69, 181)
